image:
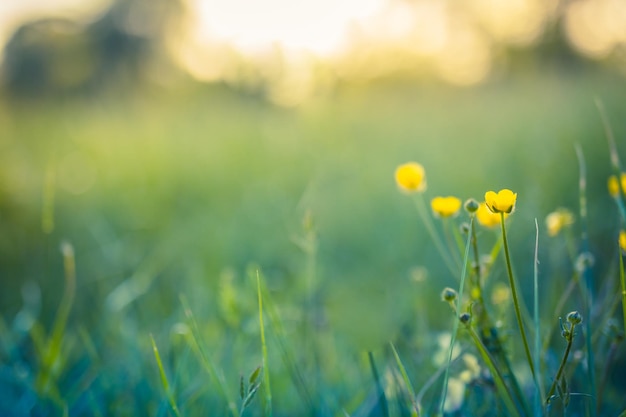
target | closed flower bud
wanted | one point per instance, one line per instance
(465, 318)
(471, 205)
(448, 294)
(574, 317)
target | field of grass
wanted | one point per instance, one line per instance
(183, 210)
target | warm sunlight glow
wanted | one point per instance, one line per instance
(596, 27)
(252, 26)
(293, 50)
(513, 21)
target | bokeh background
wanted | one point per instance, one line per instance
(180, 144)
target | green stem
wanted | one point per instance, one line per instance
(444, 390)
(266, 369)
(570, 339)
(538, 390)
(485, 323)
(422, 211)
(518, 314)
(586, 273)
(623, 281)
(497, 375)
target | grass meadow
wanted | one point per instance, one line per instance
(141, 233)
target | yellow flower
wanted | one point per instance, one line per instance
(614, 184)
(558, 219)
(411, 177)
(502, 202)
(622, 240)
(486, 218)
(445, 206)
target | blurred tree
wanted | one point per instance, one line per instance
(57, 56)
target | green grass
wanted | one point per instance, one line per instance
(170, 194)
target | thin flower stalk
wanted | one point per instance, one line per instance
(538, 391)
(586, 272)
(623, 282)
(559, 373)
(573, 319)
(455, 329)
(518, 314)
(495, 372)
(487, 331)
(423, 213)
(454, 240)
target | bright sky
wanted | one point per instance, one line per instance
(317, 26)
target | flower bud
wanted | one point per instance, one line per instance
(471, 205)
(465, 318)
(448, 294)
(574, 317)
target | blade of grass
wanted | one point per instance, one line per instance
(166, 386)
(52, 351)
(407, 381)
(495, 372)
(623, 282)
(205, 358)
(286, 349)
(382, 399)
(538, 389)
(444, 389)
(266, 373)
(582, 185)
(615, 162)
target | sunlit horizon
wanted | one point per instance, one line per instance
(289, 43)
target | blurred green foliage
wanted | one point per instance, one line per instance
(165, 192)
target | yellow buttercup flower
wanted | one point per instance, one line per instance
(557, 220)
(411, 177)
(622, 240)
(501, 202)
(486, 218)
(445, 206)
(614, 184)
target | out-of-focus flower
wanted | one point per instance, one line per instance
(584, 261)
(622, 240)
(411, 177)
(486, 218)
(472, 370)
(455, 395)
(445, 206)
(501, 202)
(557, 220)
(614, 185)
(501, 294)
